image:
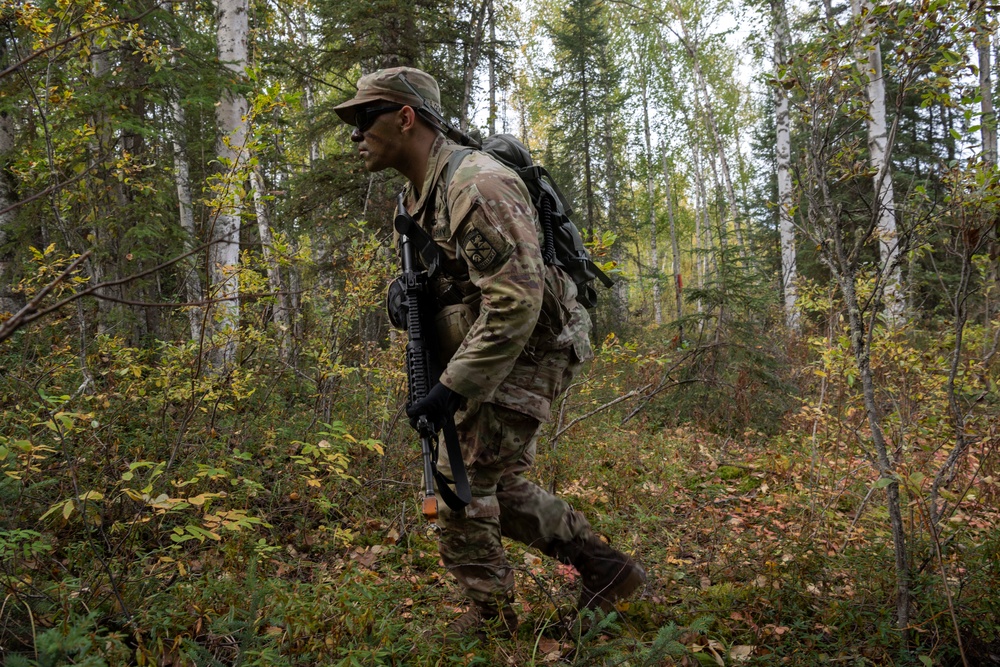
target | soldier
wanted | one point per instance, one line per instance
(512, 335)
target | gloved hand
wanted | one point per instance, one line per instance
(439, 404)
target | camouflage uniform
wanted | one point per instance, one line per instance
(526, 343)
(512, 335)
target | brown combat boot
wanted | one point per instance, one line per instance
(476, 622)
(608, 574)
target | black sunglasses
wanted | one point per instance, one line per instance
(363, 118)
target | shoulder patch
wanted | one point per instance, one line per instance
(485, 244)
(478, 250)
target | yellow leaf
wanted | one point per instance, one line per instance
(314, 482)
(68, 508)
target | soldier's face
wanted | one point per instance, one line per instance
(379, 143)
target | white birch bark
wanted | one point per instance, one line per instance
(654, 254)
(783, 150)
(885, 206)
(988, 122)
(280, 310)
(707, 254)
(674, 247)
(231, 115)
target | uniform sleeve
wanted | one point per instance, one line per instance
(496, 235)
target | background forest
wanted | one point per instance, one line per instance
(793, 418)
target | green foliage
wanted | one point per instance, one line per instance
(161, 510)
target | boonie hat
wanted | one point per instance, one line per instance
(386, 86)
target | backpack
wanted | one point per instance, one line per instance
(563, 245)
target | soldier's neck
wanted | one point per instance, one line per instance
(419, 151)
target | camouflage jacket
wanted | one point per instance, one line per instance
(525, 314)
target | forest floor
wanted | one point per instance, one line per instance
(278, 540)
(749, 562)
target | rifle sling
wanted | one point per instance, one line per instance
(428, 250)
(462, 495)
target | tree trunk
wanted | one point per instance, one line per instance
(101, 142)
(654, 255)
(231, 114)
(988, 122)
(619, 292)
(280, 310)
(308, 99)
(7, 302)
(493, 69)
(783, 150)
(7, 192)
(708, 250)
(703, 99)
(192, 281)
(885, 467)
(884, 208)
(587, 171)
(472, 62)
(674, 247)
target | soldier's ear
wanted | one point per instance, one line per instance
(407, 118)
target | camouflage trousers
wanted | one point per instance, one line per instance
(498, 445)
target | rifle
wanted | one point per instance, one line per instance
(434, 117)
(421, 369)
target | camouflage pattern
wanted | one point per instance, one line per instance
(499, 446)
(528, 340)
(489, 233)
(385, 86)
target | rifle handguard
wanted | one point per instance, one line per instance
(422, 375)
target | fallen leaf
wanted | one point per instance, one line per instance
(706, 583)
(548, 646)
(367, 558)
(741, 652)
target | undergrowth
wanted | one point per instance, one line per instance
(158, 516)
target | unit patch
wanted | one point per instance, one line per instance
(478, 251)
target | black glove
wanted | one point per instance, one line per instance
(439, 404)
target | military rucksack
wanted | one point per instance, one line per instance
(563, 245)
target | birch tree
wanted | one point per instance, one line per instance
(674, 245)
(884, 204)
(231, 115)
(274, 281)
(783, 150)
(988, 118)
(654, 256)
(704, 100)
